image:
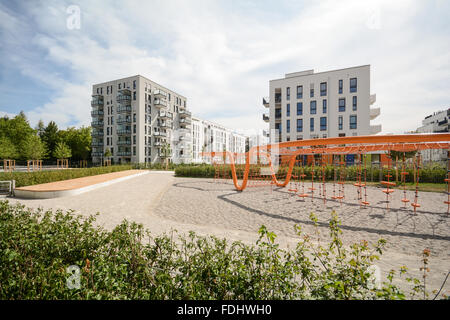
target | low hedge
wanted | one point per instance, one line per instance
(45, 176)
(432, 173)
(56, 255)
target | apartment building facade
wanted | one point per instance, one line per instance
(137, 119)
(435, 123)
(208, 136)
(308, 105)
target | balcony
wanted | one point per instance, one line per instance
(165, 125)
(97, 100)
(164, 115)
(123, 131)
(123, 99)
(159, 134)
(374, 112)
(97, 133)
(97, 154)
(185, 113)
(266, 117)
(157, 144)
(159, 93)
(124, 109)
(374, 129)
(123, 120)
(372, 98)
(97, 113)
(97, 123)
(266, 102)
(124, 153)
(123, 142)
(97, 143)
(185, 121)
(158, 103)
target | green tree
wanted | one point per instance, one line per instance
(50, 137)
(40, 127)
(79, 140)
(17, 130)
(166, 152)
(62, 151)
(7, 149)
(34, 148)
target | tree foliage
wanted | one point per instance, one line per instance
(34, 148)
(62, 151)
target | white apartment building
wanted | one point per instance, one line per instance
(308, 105)
(136, 118)
(435, 123)
(208, 136)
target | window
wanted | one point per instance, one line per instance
(112, 120)
(324, 106)
(134, 84)
(313, 107)
(342, 105)
(323, 123)
(107, 90)
(323, 89)
(299, 92)
(134, 139)
(97, 90)
(288, 109)
(340, 122)
(311, 93)
(134, 128)
(311, 124)
(354, 103)
(278, 113)
(341, 85)
(112, 109)
(278, 127)
(353, 122)
(112, 151)
(134, 117)
(353, 84)
(169, 96)
(119, 86)
(288, 93)
(107, 131)
(288, 126)
(107, 141)
(299, 108)
(134, 95)
(134, 150)
(299, 125)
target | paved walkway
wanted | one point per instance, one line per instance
(79, 182)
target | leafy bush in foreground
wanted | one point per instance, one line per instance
(38, 177)
(37, 247)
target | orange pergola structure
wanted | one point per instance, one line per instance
(286, 154)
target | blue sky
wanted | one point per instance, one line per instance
(222, 54)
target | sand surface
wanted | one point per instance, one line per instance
(163, 202)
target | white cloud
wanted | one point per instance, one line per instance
(222, 59)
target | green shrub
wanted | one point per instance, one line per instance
(45, 176)
(37, 247)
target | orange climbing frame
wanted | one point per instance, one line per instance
(357, 144)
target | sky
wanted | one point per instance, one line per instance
(221, 54)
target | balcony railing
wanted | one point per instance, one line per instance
(122, 109)
(124, 153)
(165, 125)
(123, 131)
(97, 154)
(374, 112)
(266, 102)
(374, 129)
(123, 120)
(97, 123)
(97, 100)
(185, 121)
(160, 93)
(165, 115)
(97, 133)
(159, 134)
(121, 98)
(160, 103)
(185, 113)
(97, 113)
(157, 144)
(123, 142)
(266, 117)
(97, 143)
